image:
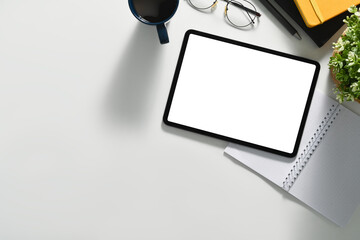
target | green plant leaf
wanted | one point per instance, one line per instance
(346, 61)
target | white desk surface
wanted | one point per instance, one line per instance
(83, 150)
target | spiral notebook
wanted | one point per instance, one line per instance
(325, 174)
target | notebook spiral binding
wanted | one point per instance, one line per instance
(305, 155)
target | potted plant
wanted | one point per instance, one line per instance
(345, 61)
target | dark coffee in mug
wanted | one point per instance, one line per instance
(155, 11)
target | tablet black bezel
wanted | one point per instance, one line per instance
(226, 138)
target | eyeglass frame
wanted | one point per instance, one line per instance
(237, 4)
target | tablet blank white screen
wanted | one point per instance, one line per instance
(241, 93)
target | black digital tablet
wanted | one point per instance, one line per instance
(241, 93)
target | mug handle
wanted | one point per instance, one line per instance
(162, 32)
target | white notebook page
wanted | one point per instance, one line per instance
(330, 181)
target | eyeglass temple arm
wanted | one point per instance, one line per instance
(244, 8)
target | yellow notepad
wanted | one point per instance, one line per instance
(315, 12)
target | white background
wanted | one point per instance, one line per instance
(83, 150)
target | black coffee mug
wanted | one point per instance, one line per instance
(155, 12)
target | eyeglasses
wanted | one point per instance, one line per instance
(239, 14)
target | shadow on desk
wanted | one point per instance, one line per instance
(131, 86)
